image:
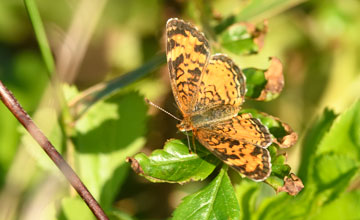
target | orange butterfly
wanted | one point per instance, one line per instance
(209, 91)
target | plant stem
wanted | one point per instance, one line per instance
(13, 105)
(40, 35)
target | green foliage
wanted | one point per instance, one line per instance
(255, 82)
(237, 39)
(215, 201)
(103, 141)
(329, 174)
(175, 164)
(96, 129)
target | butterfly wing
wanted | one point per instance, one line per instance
(222, 84)
(187, 52)
(243, 128)
(241, 143)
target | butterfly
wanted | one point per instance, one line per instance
(209, 91)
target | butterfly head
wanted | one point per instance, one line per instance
(185, 125)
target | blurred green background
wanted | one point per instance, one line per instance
(92, 41)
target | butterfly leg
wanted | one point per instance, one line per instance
(193, 140)
(187, 136)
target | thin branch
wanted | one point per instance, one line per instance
(13, 105)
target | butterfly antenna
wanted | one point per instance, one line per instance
(161, 109)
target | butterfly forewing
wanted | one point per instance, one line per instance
(187, 54)
(222, 84)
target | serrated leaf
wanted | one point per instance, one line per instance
(246, 193)
(312, 139)
(216, 201)
(109, 132)
(343, 136)
(329, 168)
(175, 164)
(337, 156)
(345, 207)
(284, 207)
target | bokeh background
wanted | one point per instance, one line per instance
(95, 41)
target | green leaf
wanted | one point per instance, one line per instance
(238, 40)
(284, 207)
(345, 207)
(343, 137)
(215, 201)
(311, 141)
(264, 8)
(255, 82)
(246, 192)
(109, 132)
(265, 84)
(116, 214)
(330, 169)
(75, 209)
(279, 168)
(52, 130)
(175, 164)
(332, 175)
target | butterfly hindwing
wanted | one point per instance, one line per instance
(243, 128)
(240, 142)
(251, 160)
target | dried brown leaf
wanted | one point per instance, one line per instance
(135, 165)
(287, 140)
(292, 185)
(257, 33)
(275, 80)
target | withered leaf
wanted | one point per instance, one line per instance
(275, 80)
(292, 185)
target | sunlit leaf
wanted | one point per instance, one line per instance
(174, 163)
(75, 209)
(347, 204)
(343, 137)
(109, 132)
(240, 39)
(247, 192)
(312, 139)
(215, 201)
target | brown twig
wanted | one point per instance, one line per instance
(13, 105)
